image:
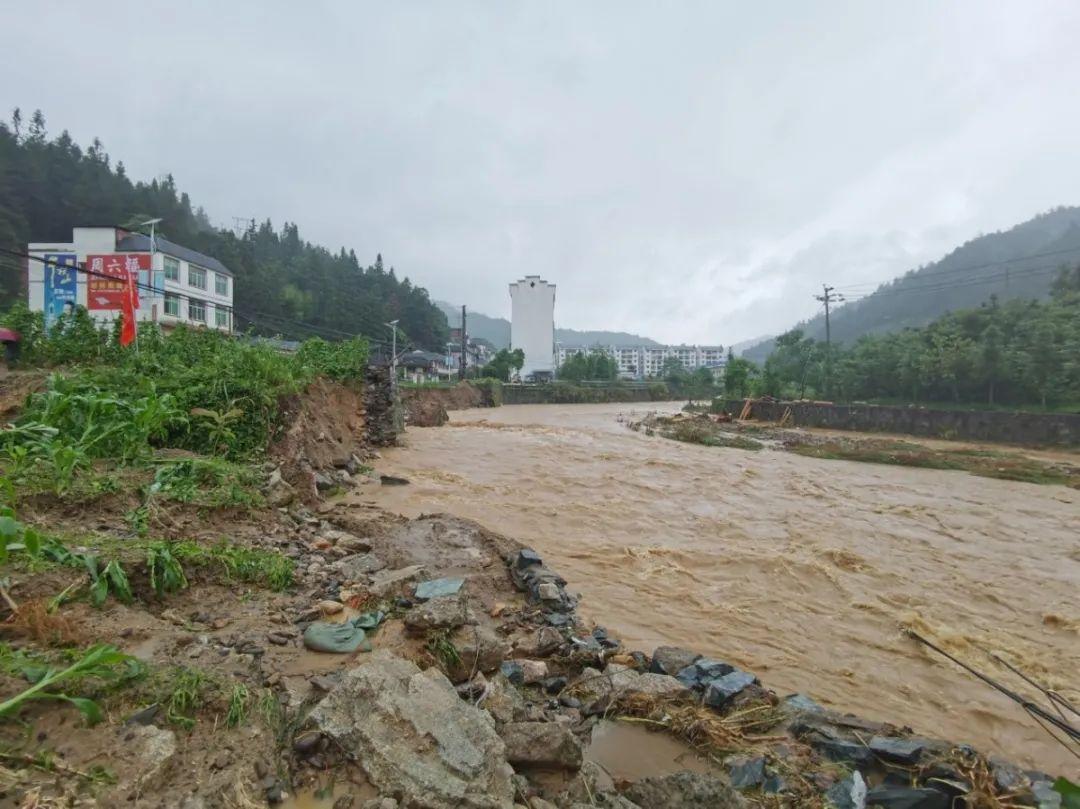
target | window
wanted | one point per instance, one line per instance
(196, 277)
(172, 269)
(221, 284)
(221, 317)
(196, 310)
(172, 305)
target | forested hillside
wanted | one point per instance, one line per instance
(1019, 263)
(497, 331)
(1015, 353)
(284, 285)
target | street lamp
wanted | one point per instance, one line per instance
(393, 349)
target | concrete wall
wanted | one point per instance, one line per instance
(565, 393)
(1058, 429)
(532, 323)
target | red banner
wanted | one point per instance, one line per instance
(107, 293)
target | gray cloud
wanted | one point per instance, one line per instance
(692, 173)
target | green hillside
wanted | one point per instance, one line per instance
(1019, 263)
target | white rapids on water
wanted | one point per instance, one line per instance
(801, 570)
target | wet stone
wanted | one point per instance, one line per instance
(902, 751)
(701, 672)
(671, 660)
(746, 773)
(512, 671)
(849, 793)
(721, 690)
(843, 751)
(437, 588)
(553, 685)
(908, 798)
(527, 557)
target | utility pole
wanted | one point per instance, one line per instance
(828, 297)
(464, 344)
(393, 352)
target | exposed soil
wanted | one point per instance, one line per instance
(15, 386)
(426, 407)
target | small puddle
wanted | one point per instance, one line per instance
(627, 752)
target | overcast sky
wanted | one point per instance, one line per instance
(688, 171)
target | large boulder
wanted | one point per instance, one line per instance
(672, 659)
(415, 738)
(541, 744)
(480, 649)
(684, 790)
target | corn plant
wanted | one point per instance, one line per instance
(112, 579)
(166, 574)
(100, 661)
(219, 434)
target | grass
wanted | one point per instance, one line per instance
(185, 697)
(698, 431)
(984, 463)
(443, 650)
(238, 705)
(252, 565)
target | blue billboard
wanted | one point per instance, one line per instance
(61, 286)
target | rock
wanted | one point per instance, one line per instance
(415, 738)
(152, 751)
(746, 772)
(849, 793)
(553, 685)
(902, 751)
(323, 483)
(355, 568)
(383, 582)
(279, 492)
(701, 672)
(502, 700)
(436, 588)
(722, 689)
(323, 682)
(683, 790)
(541, 744)
(512, 671)
(305, 742)
(1046, 797)
(278, 638)
(549, 591)
(144, 716)
(393, 480)
(329, 607)
(1007, 776)
(527, 557)
(448, 612)
(533, 671)
(671, 660)
(541, 643)
(657, 685)
(907, 798)
(480, 649)
(843, 751)
(800, 703)
(343, 539)
(378, 803)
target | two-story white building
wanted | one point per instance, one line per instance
(175, 284)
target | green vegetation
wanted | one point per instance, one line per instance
(237, 563)
(280, 278)
(988, 464)
(503, 364)
(1015, 353)
(700, 431)
(595, 365)
(100, 662)
(444, 651)
(166, 574)
(683, 383)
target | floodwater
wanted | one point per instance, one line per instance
(802, 570)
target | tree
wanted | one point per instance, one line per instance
(738, 375)
(503, 364)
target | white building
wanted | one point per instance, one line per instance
(532, 325)
(176, 285)
(639, 362)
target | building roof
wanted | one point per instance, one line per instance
(420, 359)
(139, 243)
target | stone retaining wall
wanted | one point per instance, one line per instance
(562, 393)
(1057, 429)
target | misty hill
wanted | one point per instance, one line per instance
(497, 331)
(1021, 262)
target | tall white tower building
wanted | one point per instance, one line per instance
(532, 324)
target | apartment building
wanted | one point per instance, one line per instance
(641, 362)
(175, 284)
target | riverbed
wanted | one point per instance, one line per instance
(802, 570)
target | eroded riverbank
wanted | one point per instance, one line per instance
(801, 569)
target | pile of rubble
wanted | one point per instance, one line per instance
(526, 683)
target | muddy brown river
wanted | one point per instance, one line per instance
(802, 570)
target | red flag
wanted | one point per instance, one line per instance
(128, 306)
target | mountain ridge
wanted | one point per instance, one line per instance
(1020, 262)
